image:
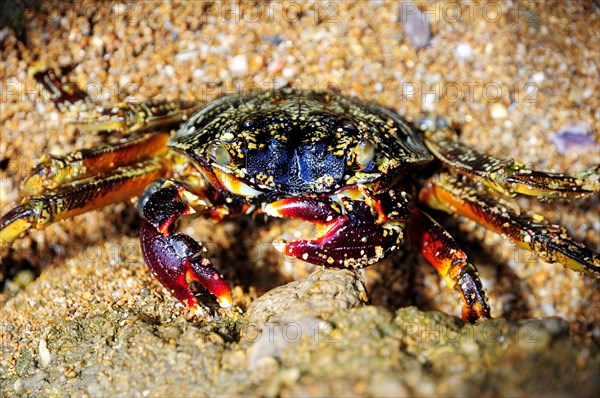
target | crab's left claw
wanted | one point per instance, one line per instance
(175, 258)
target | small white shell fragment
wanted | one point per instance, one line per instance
(44, 353)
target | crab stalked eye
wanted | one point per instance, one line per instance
(365, 151)
(218, 152)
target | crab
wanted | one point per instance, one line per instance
(357, 170)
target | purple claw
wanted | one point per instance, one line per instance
(175, 258)
(176, 261)
(353, 239)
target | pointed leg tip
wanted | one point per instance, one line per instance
(14, 223)
(474, 315)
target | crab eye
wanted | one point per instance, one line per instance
(365, 151)
(218, 152)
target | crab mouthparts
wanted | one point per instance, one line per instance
(235, 185)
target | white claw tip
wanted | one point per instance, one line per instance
(270, 210)
(225, 301)
(279, 245)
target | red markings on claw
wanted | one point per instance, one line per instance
(350, 237)
(307, 209)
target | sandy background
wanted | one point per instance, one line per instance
(524, 71)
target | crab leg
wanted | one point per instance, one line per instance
(442, 251)
(79, 197)
(127, 117)
(176, 259)
(549, 242)
(365, 231)
(350, 234)
(62, 95)
(54, 172)
(134, 117)
(510, 177)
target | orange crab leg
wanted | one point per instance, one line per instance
(510, 177)
(80, 197)
(442, 251)
(54, 172)
(549, 242)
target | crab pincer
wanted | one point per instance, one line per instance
(175, 258)
(348, 234)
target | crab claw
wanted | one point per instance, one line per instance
(347, 238)
(176, 258)
(176, 261)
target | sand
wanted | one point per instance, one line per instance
(95, 322)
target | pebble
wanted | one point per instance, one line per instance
(197, 73)
(538, 77)
(24, 277)
(272, 39)
(288, 73)
(463, 51)
(415, 24)
(498, 111)
(238, 65)
(276, 66)
(186, 56)
(96, 41)
(575, 136)
(169, 70)
(44, 353)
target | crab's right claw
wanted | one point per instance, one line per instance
(175, 258)
(176, 261)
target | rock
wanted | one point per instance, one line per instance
(463, 51)
(238, 65)
(498, 111)
(321, 294)
(574, 137)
